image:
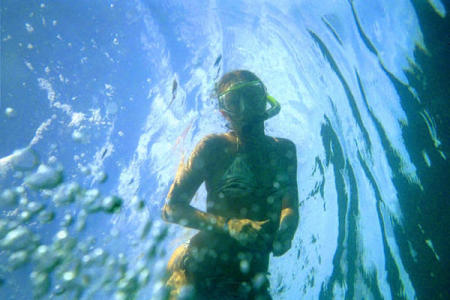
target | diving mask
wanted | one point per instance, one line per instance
(248, 98)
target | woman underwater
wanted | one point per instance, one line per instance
(252, 200)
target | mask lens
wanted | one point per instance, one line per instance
(233, 103)
(248, 96)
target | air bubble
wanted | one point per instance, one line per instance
(91, 200)
(46, 216)
(98, 252)
(79, 136)
(8, 198)
(25, 216)
(45, 259)
(59, 290)
(244, 266)
(67, 220)
(66, 194)
(18, 239)
(139, 204)
(111, 204)
(69, 276)
(44, 178)
(101, 176)
(25, 159)
(23, 201)
(34, 207)
(29, 28)
(144, 277)
(4, 227)
(81, 220)
(18, 259)
(10, 112)
(259, 281)
(41, 283)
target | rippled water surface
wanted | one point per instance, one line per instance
(100, 100)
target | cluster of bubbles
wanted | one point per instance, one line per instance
(70, 263)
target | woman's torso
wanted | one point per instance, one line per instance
(242, 182)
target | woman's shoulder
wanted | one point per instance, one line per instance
(213, 142)
(284, 148)
(282, 143)
(214, 138)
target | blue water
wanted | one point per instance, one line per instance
(104, 98)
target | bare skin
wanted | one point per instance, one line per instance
(236, 234)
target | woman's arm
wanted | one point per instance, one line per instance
(188, 216)
(289, 212)
(189, 177)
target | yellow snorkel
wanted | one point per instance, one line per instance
(274, 109)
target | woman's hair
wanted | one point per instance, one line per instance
(232, 77)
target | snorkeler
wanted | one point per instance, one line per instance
(252, 200)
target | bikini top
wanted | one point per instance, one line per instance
(238, 181)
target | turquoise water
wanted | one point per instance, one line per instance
(101, 100)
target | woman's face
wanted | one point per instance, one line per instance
(243, 102)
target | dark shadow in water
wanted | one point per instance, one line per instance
(351, 100)
(347, 252)
(426, 208)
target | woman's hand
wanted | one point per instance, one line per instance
(247, 232)
(281, 244)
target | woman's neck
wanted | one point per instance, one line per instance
(249, 134)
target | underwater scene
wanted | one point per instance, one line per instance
(102, 100)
